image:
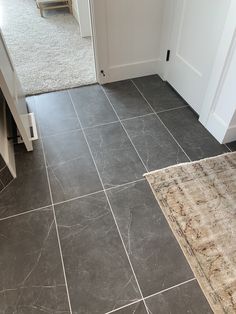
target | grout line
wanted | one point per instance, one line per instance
(26, 212)
(117, 121)
(228, 147)
(171, 109)
(170, 288)
(6, 186)
(108, 201)
(77, 197)
(100, 191)
(56, 226)
(124, 306)
(154, 294)
(140, 116)
(3, 168)
(59, 133)
(98, 125)
(124, 129)
(173, 138)
(162, 121)
(71, 199)
(124, 184)
(3, 185)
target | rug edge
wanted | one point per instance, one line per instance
(186, 163)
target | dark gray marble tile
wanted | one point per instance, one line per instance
(160, 95)
(92, 106)
(98, 272)
(1, 186)
(30, 189)
(155, 145)
(155, 254)
(185, 299)
(232, 146)
(64, 147)
(116, 159)
(29, 161)
(126, 99)
(55, 113)
(5, 176)
(196, 141)
(2, 163)
(136, 308)
(71, 169)
(31, 275)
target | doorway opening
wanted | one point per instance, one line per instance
(50, 51)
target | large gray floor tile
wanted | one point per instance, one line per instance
(92, 106)
(29, 161)
(155, 145)
(185, 299)
(2, 163)
(158, 93)
(71, 169)
(190, 133)
(136, 308)
(114, 155)
(30, 189)
(5, 177)
(126, 99)
(31, 275)
(55, 113)
(98, 272)
(64, 147)
(155, 254)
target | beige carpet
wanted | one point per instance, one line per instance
(48, 53)
(199, 202)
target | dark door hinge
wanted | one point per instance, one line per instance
(168, 55)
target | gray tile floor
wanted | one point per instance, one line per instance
(80, 231)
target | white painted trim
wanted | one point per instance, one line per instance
(100, 46)
(220, 130)
(220, 66)
(131, 70)
(217, 127)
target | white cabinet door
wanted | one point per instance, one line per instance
(12, 91)
(197, 29)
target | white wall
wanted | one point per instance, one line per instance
(128, 37)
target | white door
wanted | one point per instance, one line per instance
(197, 29)
(127, 38)
(14, 96)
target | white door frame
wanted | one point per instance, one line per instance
(99, 26)
(221, 62)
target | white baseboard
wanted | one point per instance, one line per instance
(219, 129)
(131, 70)
(230, 135)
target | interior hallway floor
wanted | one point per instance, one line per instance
(80, 230)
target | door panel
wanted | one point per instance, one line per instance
(197, 29)
(127, 38)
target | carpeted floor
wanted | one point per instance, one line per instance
(48, 53)
(199, 202)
